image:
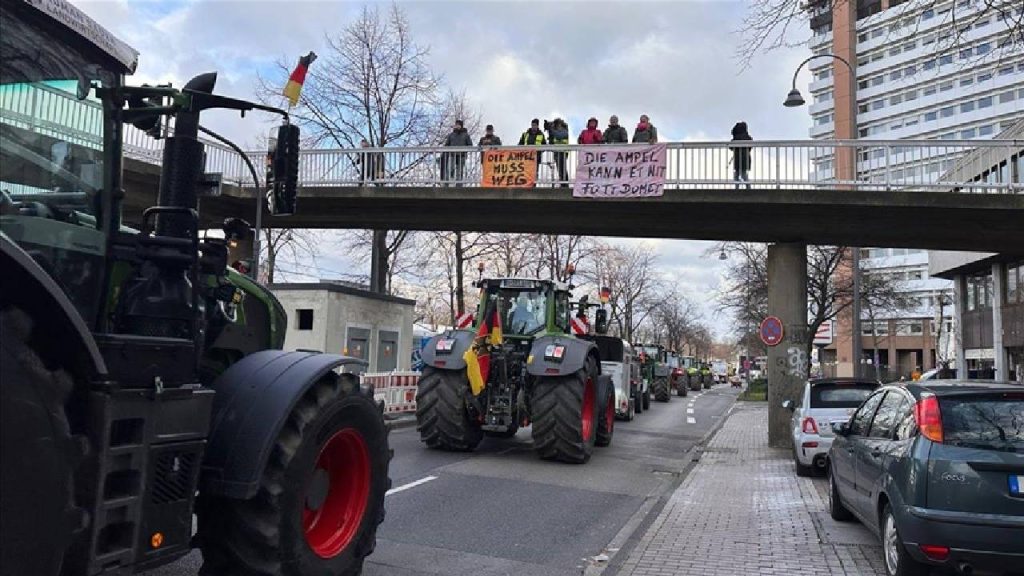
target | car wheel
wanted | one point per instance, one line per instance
(835, 504)
(898, 561)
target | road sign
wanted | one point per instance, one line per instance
(825, 333)
(771, 331)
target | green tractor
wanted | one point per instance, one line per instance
(677, 379)
(525, 361)
(694, 379)
(655, 370)
(143, 382)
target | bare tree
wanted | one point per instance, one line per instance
(553, 254)
(769, 24)
(294, 248)
(511, 255)
(461, 248)
(374, 83)
(629, 273)
(829, 290)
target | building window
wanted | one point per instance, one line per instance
(1006, 97)
(984, 77)
(947, 111)
(967, 134)
(985, 102)
(930, 116)
(877, 33)
(880, 328)
(967, 106)
(909, 328)
(966, 81)
(877, 80)
(896, 75)
(945, 59)
(862, 37)
(909, 46)
(929, 90)
(910, 95)
(1005, 70)
(945, 86)
(965, 53)
(878, 104)
(909, 71)
(983, 48)
(895, 99)
(1015, 283)
(927, 14)
(928, 64)
(305, 318)
(985, 130)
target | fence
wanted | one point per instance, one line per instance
(978, 166)
(397, 390)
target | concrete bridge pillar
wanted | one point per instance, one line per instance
(787, 361)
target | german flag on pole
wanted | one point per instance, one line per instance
(478, 357)
(294, 86)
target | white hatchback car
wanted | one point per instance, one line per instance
(824, 401)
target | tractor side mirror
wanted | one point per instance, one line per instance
(283, 170)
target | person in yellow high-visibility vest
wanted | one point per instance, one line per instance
(533, 137)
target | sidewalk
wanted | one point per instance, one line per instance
(743, 510)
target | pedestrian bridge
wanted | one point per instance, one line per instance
(965, 195)
(940, 194)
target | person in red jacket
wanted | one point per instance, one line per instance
(591, 135)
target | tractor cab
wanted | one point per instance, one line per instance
(525, 308)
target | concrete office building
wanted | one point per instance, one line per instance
(922, 71)
(343, 318)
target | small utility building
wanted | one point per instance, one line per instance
(345, 318)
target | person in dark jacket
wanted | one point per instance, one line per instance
(558, 134)
(456, 161)
(592, 135)
(645, 132)
(371, 165)
(533, 137)
(489, 138)
(615, 133)
(741, 155)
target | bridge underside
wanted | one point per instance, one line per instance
(932, 220)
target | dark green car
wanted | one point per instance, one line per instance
(936, 470)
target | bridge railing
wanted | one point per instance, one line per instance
(996, 166)
(983, 166)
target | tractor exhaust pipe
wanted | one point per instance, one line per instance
(183, 164)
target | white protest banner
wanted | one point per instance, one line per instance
(620, 171)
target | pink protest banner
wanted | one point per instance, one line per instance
(620, 171)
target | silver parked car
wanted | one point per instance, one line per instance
(825, 400)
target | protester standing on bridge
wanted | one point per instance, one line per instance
(615, 133)
(741, 155)
(533, 137)
(592, 135)
(456, 161)
(371, 164)
(488, 140)
(645, 132)
(558, 133)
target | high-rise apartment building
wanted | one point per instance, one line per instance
(934, 70)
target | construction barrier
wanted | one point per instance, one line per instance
(397, 390)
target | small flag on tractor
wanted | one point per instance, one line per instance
(298, 77)
(478, 357)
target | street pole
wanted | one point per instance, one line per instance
(258, 232)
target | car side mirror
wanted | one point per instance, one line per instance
(788, 405)
(283, 170)
(841, 428)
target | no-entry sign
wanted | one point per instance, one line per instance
(771, 331)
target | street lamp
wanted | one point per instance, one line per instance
(795, 99)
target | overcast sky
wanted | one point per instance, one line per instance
(516, 60)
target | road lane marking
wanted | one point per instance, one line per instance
(689, 410)
(398, 489)
(691, 420)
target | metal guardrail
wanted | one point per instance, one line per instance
(985, 166)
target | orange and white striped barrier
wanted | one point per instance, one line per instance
(397, 390)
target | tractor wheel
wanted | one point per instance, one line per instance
(606, 420)
(565, 416)
(647, 400)
(321, 496)
(661, 391)
(638, 403)
(630, 410)
(682, 388)
(441, 415)
(38, 518)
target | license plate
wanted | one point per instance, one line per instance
(1016, 485)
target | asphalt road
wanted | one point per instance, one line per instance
(502, 510)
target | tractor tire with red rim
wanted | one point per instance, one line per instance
(606, 417)
(661, 390)
(321, 496)
(442, 416)
(39, 518)
(565, 417)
